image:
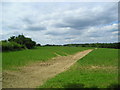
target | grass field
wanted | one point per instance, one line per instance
(96, 70)
(0, 62)
(20, 58)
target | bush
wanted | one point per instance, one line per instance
(11, 46)
(22, 40)
(38, 44)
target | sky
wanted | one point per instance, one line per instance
(60, 22)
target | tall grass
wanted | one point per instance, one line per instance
(20, 58)
(96, 70)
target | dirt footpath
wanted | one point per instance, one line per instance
(34, 75)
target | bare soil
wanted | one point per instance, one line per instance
(34, 75)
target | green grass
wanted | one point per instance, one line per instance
(0, 62)
(11, 60)
(97, 69)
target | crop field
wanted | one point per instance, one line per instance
(99, 69)
(10, 60)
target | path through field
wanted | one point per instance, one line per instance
(36, 74)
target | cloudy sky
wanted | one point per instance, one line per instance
(61, 22)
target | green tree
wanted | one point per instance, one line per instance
(22, 40)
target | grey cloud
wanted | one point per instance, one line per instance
(35, 28)
(95, 35)
(77, 22)
(68, 33)
(59, 25)
(101, 34)
(113, 30)
(81, 24)
(91, 18)
(14, 27)
(68, 37)
(31, 24)
(55, 33)
(27, 20)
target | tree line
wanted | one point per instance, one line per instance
(21, 42)
(98, 45)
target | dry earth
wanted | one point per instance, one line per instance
(34, 75)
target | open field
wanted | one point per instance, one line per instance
(31, 76)
(99, 69)
(0, 70)
(59, 44)
(21, 58)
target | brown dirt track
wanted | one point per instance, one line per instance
(36, 74)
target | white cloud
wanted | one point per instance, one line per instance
(60, 1)
(59, 23)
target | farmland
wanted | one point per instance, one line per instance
(59, 44)
(99, 69)
(14, 59)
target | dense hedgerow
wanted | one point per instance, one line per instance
(17, 43)
(98, 45)
(11, 46)
(22, 40)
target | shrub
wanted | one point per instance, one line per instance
(22, 40)
(11, 46)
